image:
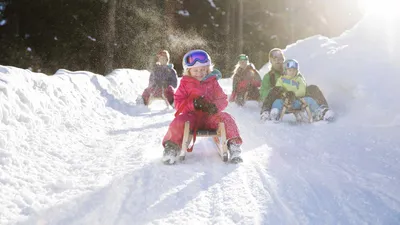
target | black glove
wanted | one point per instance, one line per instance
(199, 103)
(211, 108)
(205, 106)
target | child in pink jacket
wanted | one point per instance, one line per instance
(200, 100)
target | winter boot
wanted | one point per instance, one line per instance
(324, 113)
(235, 151)
(170, 151)
(329, 115)
(265, 116)
(274, 116)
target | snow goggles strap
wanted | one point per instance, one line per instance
(196, 56)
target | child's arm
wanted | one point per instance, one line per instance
(151, 79)
(301, 90)
(220, 98)
(279, 83)
(183, 100)
(256, 78)
(235, 81)
(173, 81)
(265, 86)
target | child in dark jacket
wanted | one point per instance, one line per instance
(163, 79)
(200, 100)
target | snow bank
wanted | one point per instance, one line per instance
(41, 116)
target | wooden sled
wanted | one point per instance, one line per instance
(219, 138)
(298, 113)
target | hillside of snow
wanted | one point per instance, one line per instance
(76, 149)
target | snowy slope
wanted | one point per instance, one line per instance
(75, 149)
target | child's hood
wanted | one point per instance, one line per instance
(215, 73)
(170, 65)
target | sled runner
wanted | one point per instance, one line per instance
(218, 135)
(298, 113)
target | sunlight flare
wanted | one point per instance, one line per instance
(386, 9)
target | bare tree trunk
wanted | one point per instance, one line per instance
(228, 35)
(110, 36)
(170, 8)
(240, 26)
(232, 40)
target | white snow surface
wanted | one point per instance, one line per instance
(76, 149)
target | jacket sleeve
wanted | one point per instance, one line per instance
(279, 83)
(235, 82)
(152, 79)
(256, 78)
(173, 78)
(265, 86)
(183, 99)
(301, 90)
(220, 98)
(217, 73)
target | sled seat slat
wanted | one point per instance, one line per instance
(205, 133)
(294, 111)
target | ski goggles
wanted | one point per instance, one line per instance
(196, 56)
(291, 64)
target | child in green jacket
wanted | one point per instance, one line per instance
(269, 92)
(293, 83)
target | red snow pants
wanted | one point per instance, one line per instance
(251, 87)
(157, 92)
(175, 130)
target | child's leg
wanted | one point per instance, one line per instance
(146, 95)
(312, 104)
(157, 92)
(276, 110)
(169, 94)
(277, 104)
(314, 92)
(241, 92)
(254, 93)
(232, 134)
(232, 131)
(274, 94)
(175, 130)
(296, 104)
(232, 98)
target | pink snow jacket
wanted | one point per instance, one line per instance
(190, 88)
